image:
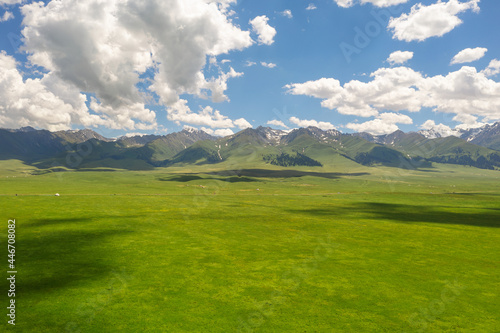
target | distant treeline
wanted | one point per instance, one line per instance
(492, 162)
(287, 160)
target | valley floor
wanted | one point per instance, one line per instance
(254, 250)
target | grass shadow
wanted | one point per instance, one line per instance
(55, 259)
(188, 178)
(57, 221)
(411, 214)
(180, 178)
(282, 173)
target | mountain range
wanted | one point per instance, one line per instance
(86, 149)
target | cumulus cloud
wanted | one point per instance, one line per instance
(434, 130)
(218, 85)
(242, 123)
(311, 7)
(264, 31)
(430, 21)
(322, 88)
(6, 16)
(463, 92)
(469, 55)
(384, 3)
(218, 132)
(132, 134)
(493, 68)
(344, 3)
(377, 3)
(104, 48)
(250, 63)
(306, 123)
(391, 89)
(208, 117)
(181, 113)
(467, 121)
(287, 13)
(278, 123)
(10, 2)
(268, 64)
(399, 57)
(46, 102)
(385, 123)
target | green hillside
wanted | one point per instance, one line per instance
(451, 150)
(251, 147)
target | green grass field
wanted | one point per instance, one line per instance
(352, 249)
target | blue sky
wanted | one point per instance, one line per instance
(155, 67)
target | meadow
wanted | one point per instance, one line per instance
(224, 249)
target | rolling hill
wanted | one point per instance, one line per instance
(313, 147)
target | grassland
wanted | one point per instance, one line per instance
(255, 249)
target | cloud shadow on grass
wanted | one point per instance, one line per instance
(188, 178)
(410, 214)
(54, 259)
(283, 173)
(67, 221)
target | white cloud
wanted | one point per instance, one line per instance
(287, 13)
(264, 31)
(45, 103)
(344, 3)
(493, 68)
(384, 3)
(311, 7)
(278, 123)
(384, 124)
(395, 118)
(374, 127)
(218, 132)
(106, 54)
(223, 5)
(6, 16)
(219, 85)
(399, 57)
(376, 3)
(208, 117)
(10, 2)
(268, 65)
(306, 123)
(463, 92)
(125, 116)
(433, 130)
(181, 113)
(132, 134)
(469, 55)
(250, 63)
(322, 88)
(391, 89)
(430, 21)
(242, 123)
(467, 121)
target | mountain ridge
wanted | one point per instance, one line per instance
(311, 145)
